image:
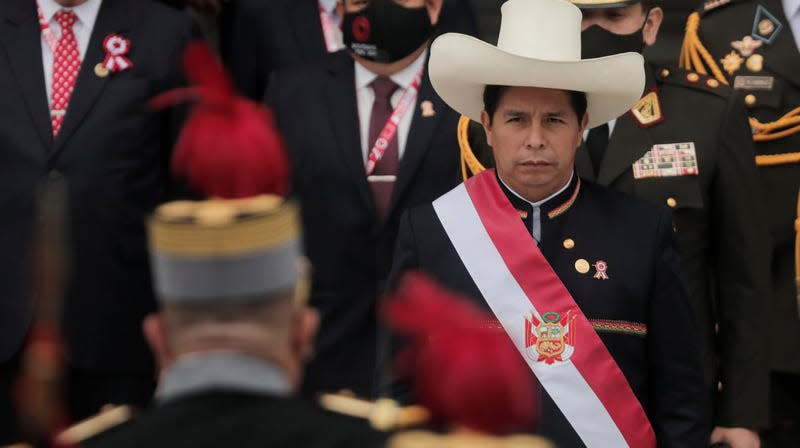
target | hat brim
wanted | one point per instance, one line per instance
(461, 66)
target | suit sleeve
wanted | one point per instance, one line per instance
(248, 58)
(405, 253)
(742, 273)
(677, 403)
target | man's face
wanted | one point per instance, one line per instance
(434, 6)
(625, 20)
(534, 134)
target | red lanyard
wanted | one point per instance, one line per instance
(329, 31)
(46, 31)
(390, 128)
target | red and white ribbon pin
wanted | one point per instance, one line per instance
(117, 48)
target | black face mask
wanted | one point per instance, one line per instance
(598, 42)
(386, 32)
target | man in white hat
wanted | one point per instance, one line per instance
(584, 280)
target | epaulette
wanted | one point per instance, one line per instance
(383, 414)
(110, 417)
(711, 5)
(691, 79)
(425, 439)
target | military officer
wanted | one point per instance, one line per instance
(233, 329)
(578, 276)
(752, 46)
(685, 145)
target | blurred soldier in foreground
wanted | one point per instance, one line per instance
(234, 330)
(752, 46)
(465, 370)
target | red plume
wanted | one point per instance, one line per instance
(229, 146)
(466, 371)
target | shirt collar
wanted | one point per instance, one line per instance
(791, 8)
(86, 12)
(553, 205)
(403, 78)
(222, 370)
(328, 5)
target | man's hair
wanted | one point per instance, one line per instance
(492, 94)
(275, 311)
(649, 4)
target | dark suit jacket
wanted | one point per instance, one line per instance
(351, 251)
(644, 286)
(113, 154)
(719, 27)
(721, 236)
(223, 418)
(268, 35)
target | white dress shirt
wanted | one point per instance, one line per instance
(791, 8)
(86, 14)
(365, 96)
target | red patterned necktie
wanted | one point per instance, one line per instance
(382, 179)
(66, 63)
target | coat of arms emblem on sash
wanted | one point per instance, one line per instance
(549, 340)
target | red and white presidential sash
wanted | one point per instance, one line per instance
(541, 317)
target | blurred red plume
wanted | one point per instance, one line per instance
(229, 147)
(466, 370)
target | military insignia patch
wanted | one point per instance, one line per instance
(747, 45)
(667, 160)
(753, 82)
(732, 62)
(647, 111)
(755, 63)
(765, 26)
(551, 339)
(713, 4)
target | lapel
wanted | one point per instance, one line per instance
(783, 56)
(340, 100)
(628, 142)
(583, 164)
(419, 138)
(113, 17)
(24, 49)
(307, 28)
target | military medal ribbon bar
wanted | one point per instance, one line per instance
(540, 316)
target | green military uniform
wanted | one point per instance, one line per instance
(686, 146)
(750, 45)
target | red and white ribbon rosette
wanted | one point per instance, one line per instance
(117, 49)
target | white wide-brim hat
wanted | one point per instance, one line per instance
(539, 46)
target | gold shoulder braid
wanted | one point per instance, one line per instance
(470, 165)
(695, 56)
(797, 254)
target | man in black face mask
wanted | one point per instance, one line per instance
(687, 145)
(368, 138)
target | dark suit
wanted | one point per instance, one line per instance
(113, 154)
(349, 249)
(644, 287)
(719, 28)
(227, 418)
(268, 35)
(721, 238)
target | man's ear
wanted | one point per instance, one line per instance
(153, 329)
(487, 126)
(651, 26)
(305, 332)
(584, 122)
